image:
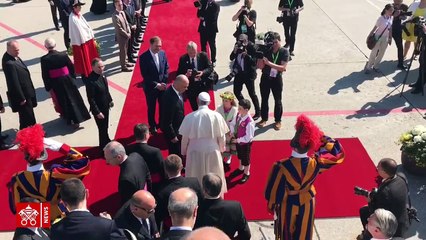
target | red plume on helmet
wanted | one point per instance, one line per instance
(30, 142)
(308, 135)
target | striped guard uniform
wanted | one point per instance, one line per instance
(44, 185)
(290, 191)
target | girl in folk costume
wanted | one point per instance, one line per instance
(289, 191)
(82, 40)
(228, 110)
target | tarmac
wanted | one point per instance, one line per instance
(325, 80)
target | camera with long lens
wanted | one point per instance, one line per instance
(419, 23)
(280, 19)
(243, 13)
(261, 49)
(240, 47)
(363, 192)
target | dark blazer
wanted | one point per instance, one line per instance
(19, 84)
(170, 186)
(27, 234)
(98, 93)
(172, 115)
(134, 174)
(210, 15)
(249, 61)
(124, 218)
(151, 76)
(83, 225)
(392, 196)
(153, 159)
(203, 64)
(175, 234)
(226, 215)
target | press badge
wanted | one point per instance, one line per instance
(273, 73)
(243, 28)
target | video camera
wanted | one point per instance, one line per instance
(291, 13)
(261, 49)
(419, 24)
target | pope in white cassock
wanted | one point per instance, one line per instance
(203, 139)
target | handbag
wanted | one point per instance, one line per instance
(371, 40)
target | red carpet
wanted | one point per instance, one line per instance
(176, 24)
(334, 197)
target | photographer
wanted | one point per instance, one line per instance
(244, 69)
(399, 13)
(197, 67)
(246, 21)
(272, 64)
(419, 84)
(391, 195)
(208, 13)
(290, 16)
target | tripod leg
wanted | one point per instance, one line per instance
(406, 73)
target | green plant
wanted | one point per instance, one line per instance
(413, 143)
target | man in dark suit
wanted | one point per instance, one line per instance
(134, 172)
(173, 167)
(80, 223)
(197, 67)
(132, 46)
(391, 195)
(244, 68)
(122, 35)
(100, 100)
(226, 215)
(20, 89)
(155, 71)
(152, 155)
(173, 113)
(137, 215)
(183, 205)
(208, 14)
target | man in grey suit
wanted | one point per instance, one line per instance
(122, 34)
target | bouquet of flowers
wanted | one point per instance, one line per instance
(98, 48)
(414, 144)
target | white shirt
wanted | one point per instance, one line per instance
(298, 155)
(384, 22)
(156, 59)
(240, 61)
(180, 228)
(179, 95)
(35, 168)
(250, 128)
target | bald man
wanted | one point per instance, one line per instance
(134, 172)
(183, 205)
(207, 233)
(172, 115)
(137, 215)
(20, 89)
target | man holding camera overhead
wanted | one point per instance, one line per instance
(197, 67)
(246, 21)
(208, 13)
(290, 16)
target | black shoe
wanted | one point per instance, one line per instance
(57, 28)
(402, 67)
(6, 146)
(153, 130)
(245, 178)
(412, 84)
(416, 91)
(292, 54)
(235, 173)
(3, 137)
(132, 61)
(227, 167)
(256, 116)
(289, 58)
(228, 78)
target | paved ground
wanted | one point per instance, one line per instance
(325, 79)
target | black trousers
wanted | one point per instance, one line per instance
(103, 129)
(422, 72)
(194, 89)
(397, 37)
(53, 10)
(290, 28)
(245, 79)
(152, 96)
(243, 153)
(130, 44)
(26, 115)
(268, 84)
(65, 26)
(174, 148)
(206, 37)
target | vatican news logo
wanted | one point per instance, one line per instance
(33, 215)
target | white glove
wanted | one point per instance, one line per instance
(52, 144)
